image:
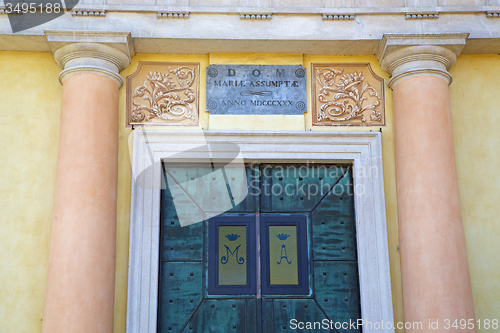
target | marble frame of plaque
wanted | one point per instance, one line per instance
(256, 90)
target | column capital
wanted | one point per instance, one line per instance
(103, 53)
(408, 55)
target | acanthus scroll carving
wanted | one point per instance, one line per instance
(343, 96)
(168, 95)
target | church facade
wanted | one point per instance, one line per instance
(267, 166)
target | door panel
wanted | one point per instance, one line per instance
(176, 243)
(250, 203)
(303, 310)
(179, 295)
(329, 251)
(337, 291)
(267, 315)
(202, 179)
(232, 255)
(219, 315)
(284, 249)
(297, 188)
(333, 223)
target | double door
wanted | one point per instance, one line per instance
(282, 259)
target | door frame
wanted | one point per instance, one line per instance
(361, 149)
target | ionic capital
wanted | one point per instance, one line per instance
(408, 55)
(103, 53)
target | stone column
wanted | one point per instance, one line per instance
(434, 268)
(81, 273)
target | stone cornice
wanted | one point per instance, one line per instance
(296, 7)
(391, 42)
(408, 55)
(305, 33)
(104, 53)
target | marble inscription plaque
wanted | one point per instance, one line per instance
(256, 89)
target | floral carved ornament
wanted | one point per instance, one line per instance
(167, 95)
(343, 96)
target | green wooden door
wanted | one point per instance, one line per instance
(282, 259)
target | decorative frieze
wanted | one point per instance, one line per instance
(256, 16)
(347, 95)
(96, 13)
(336, 17)
(163, 93)
(172, 15)
(422, 16)
(493, 14)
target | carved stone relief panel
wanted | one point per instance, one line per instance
(347, 95)
(163, 93)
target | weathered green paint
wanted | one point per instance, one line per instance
(202, 179)
(333, 223)
(267, 315)
(178, 244)
(265, 186)
(251, 315)
(219, 315)
(186, 175)
(337, 291)
(334, 276)
(250, 203)
(297, 188)
(303, 310)
(180, 294)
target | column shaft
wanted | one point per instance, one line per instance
(435, 274)
(81, 273)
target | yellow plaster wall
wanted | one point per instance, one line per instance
(245, 122)
(388, 164)
(31, 128)
(30, 96)
(475, 105)
(125, 174)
